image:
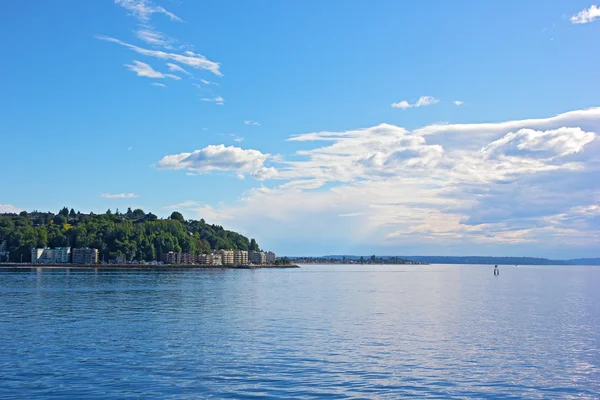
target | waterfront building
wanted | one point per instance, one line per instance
(257, 257)
(270, 257)
(215, 259)
(240, 257)
(202, 259)
(227, 256)
(46, 255)
(85, 255)
(177, 258)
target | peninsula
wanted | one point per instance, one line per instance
(132, 239)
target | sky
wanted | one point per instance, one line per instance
(336, 127)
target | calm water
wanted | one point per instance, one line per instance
(318, 331)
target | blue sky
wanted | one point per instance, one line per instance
(347, 127)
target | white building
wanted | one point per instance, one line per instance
(270, 257)
(46, 255)
(215, 259)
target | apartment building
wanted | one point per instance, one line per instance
(240, 257)
(227, 256)
(257, 257)
(85, 255)
(46, 255)
(177, 258)
(270, 257)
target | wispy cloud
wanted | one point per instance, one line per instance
(143, 9)
(176, 68)
(237, 138)
(188, 58)
(143, 69)
(218, 100)
(586, 15)
(118, 196)
(185, 204)
(208, 82)
(458, 102)
(177, 78)
(152, 37)
(423, 101)
(250, 122)
(9, 209)
(158, 84)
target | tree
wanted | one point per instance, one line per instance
(24, 214)
(129, 212)
(72, 214)
(177, 216)
(64, 212)
(362, 260)
(253, 245)
(138, 213)
(108, 212)
(59, 220)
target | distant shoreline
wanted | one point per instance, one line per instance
(138, 266)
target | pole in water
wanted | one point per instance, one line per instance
(496, 271)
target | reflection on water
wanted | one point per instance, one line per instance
(318, 331)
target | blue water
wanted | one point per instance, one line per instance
(315, 332)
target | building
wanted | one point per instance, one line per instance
(270, 257)
(215, 259)
(85, 255)
(240, 257)
(202, 259)
(227, 256)
(177, 258)
(257, 257)
(46, 255)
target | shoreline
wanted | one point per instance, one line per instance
(137, 266)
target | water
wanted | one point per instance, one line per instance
(319, 331)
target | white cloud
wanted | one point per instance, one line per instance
(143, 9)
(177, 78)
(118, 196)
(219, 158)
(586, 15)
(152, 37)
(143, 69)
(458, 102)
(208, 82)
(250, 122)
(423, 101)
(218, 100)
(185, 204)
(176, 68)
(560, 142)
(516, 183)
(402, 105)
(9, 209)
(237, 138)
(188, 58)
(158, 84)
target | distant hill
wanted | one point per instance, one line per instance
(483, 260)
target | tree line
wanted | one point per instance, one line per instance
(134, 234)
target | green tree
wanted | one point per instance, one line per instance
(254, 245)
(177, 216)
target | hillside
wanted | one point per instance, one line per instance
(135, 234)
